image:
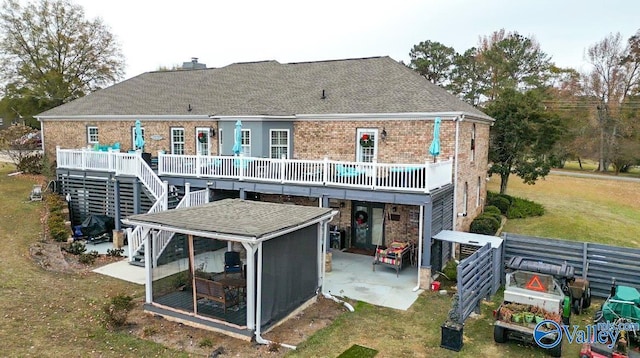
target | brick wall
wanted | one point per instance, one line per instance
(469, 171)
(407, 142)
(402, 229)
(70, 135)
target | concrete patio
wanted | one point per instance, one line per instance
(351, 276)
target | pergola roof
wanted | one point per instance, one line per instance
(243, 219)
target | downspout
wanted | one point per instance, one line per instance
(420, 237)
(328, 295)
(455, 177)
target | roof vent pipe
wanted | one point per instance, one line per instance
(323, 95)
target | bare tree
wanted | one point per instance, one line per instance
(615, 76)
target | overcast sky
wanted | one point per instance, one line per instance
(156, 33)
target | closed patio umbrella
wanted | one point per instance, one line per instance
(434, 148)
(138, 140)
(237, 135)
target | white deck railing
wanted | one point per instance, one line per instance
(195, 198)
(422, 177)
(122, 164)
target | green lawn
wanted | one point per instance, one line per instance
(44, 314)
(592, 166)
(582, 209)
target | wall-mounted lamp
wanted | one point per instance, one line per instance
(342, 204)
(212, 132)
(383, 135)
(394, 209)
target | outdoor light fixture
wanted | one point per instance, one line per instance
(383, 135)
(212, 131)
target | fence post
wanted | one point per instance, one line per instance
(460, 292)
(585, 267)
(160, 160)
(165, 196)
(325, 171)
(375, 174)
(283, 163)
(427, 174)
(129, 240)
(187, 194)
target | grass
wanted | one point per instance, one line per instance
(592, 166)
(416, 332)
(47, 314)
(581, 209)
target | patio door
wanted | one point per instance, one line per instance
(203, 141)
(367, 224)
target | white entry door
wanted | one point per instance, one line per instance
(366, 145)
(203, 141)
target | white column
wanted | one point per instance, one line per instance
(148, 266)
(251, 284)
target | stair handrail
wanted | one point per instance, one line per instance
(195, 198)
(136, 239)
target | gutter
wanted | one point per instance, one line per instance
(455, 174)
(228, 237)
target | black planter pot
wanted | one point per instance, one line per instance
(451, 337)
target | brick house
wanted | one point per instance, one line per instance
(351, 134)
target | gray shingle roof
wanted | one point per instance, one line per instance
(235, 217)
(368, 85)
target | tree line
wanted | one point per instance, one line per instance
(544, 114)
(50, 54)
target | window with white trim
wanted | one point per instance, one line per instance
(279, 143)
(177, 141)
(246, 142)
(92, 134)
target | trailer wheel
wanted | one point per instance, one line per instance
(556, 351)
(499, 334)
(577, 305)
(586, 302)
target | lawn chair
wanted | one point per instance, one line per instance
(36, 193)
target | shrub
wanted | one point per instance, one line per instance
(495, 223)
(492, 209)
(31, 164)
(115, 252)
(57, 230)
(88, 259)
(450, 270)
(500, 201)
(206, 343)
(494, 212)
(483, 225)
(76, 248)
(523, 208)
(118, 309)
